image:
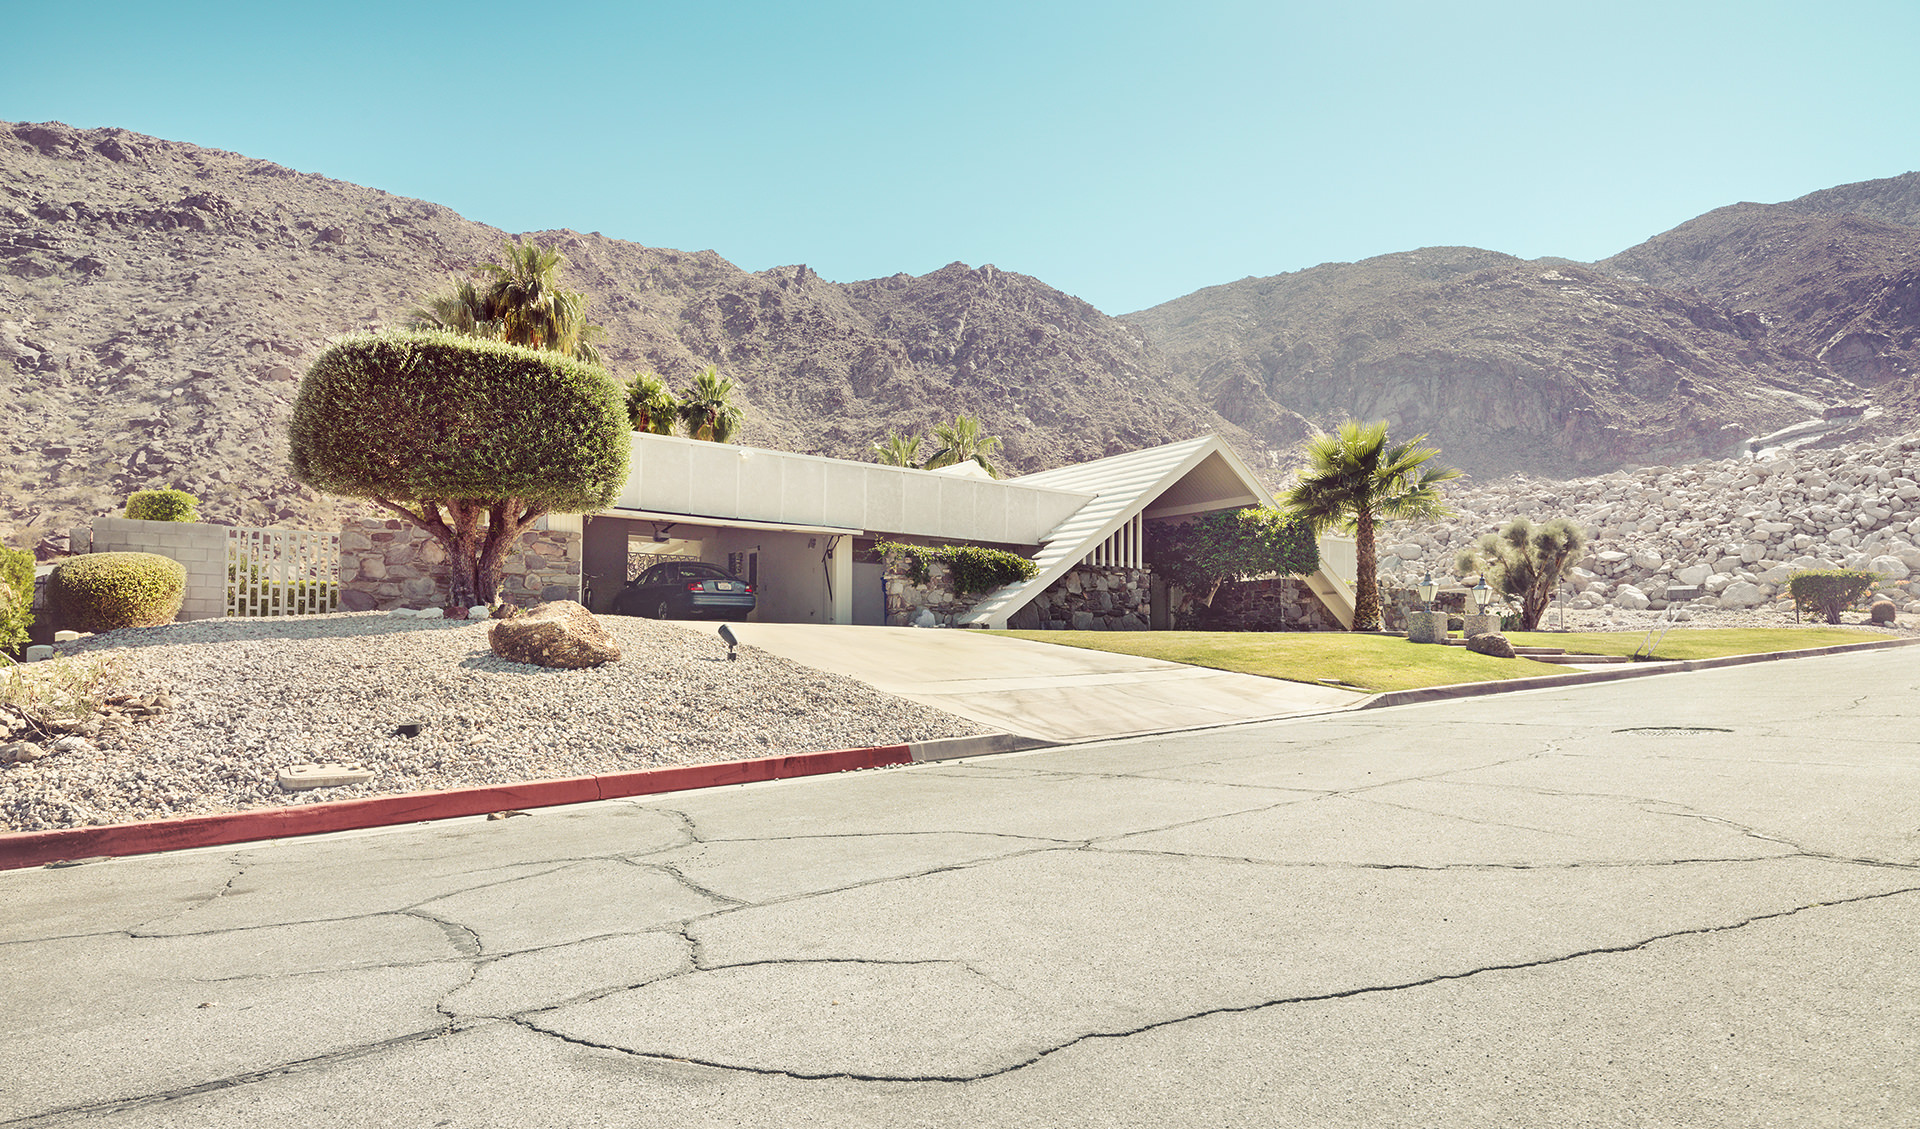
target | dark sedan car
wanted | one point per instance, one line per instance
(683, 590)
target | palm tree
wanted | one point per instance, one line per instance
(520, 302)
(1352, 478)
(650, 404)
(898, 450)
(961, 441)
(707, 408)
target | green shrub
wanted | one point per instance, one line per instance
(974, 569)
(105, 591)
(1206, 552)
(1829, 591)
(16, 599)
(163, 505)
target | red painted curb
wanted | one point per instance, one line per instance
(35, 848)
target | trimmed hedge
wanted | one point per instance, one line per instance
(973, 568)
(1830, 591)
(16, 599)
(437, 416)
(163, 505)
(107, 591)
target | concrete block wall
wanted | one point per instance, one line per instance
(200, 547)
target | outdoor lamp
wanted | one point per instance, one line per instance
(1482, 595)
(1427, 589)
(731, 640)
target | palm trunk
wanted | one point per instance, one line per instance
(1366, 586)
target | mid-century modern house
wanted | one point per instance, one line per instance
(802, 529)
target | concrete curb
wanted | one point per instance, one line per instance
(36, 848)
(1630, 670)
(953, 748)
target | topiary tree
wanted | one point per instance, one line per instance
(16, 598)
(1202, 554)
(1524, 562)
(1354, 477)
(163, 505)
(1829, 591)
(470, 440)
(108, 591)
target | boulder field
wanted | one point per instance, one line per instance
(1714, 534)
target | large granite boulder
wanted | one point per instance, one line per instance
(560, 633)
(1492, 643)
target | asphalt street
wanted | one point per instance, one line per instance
(1687, 900)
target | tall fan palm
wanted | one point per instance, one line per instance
(1352, 478)
(650, 404)
(520, 302)
(898, 450)
(707, 407)
(962, 441)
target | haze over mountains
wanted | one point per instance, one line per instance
(158, 302)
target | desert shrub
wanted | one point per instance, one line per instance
(16, 599)
(1829, 591)
(163, 505)
(974, 569)
(1881, 611)
(1525, 561)
(105, 591)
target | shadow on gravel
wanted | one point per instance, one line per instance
(341, 625)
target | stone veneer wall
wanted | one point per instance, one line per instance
(1091, 599)
(386, 564)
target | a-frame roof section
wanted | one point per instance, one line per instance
(1190, 477)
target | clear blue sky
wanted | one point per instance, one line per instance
(1125, 152)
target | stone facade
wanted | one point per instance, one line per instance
(1283, 603)
(932, 604)
(386, 564)
(1395, 603)
(1091, 599)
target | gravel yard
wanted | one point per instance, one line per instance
(253, 696)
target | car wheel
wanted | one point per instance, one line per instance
(661, 611)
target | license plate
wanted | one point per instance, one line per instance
(725, 585)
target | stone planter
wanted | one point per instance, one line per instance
(1481, 625)
(1426, 627)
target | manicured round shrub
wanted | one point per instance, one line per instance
(105, 591)
(163, 505)
(1881, 611)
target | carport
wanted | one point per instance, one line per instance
(792, 567)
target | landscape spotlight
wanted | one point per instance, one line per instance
(1427, 589)
(727, 637)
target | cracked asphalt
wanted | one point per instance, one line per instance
(1690, 900)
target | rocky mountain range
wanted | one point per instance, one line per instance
(159, 301)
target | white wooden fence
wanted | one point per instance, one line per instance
(282, 572)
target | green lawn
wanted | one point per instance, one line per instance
(1696, 643)
(1379, 662)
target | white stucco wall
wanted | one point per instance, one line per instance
(686, 476)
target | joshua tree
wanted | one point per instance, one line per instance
(707, 407)
(898, 450)
(650, 404)
(520, 302)
(1524, 562)
(962, 441)
(1354, 478)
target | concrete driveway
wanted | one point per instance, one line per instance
(1688, 900)
(1039, 690)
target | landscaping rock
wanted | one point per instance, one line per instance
(559, 634)
(1492, 643)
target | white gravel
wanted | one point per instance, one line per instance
(253, 696)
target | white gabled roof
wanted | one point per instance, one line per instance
(1188, 477)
